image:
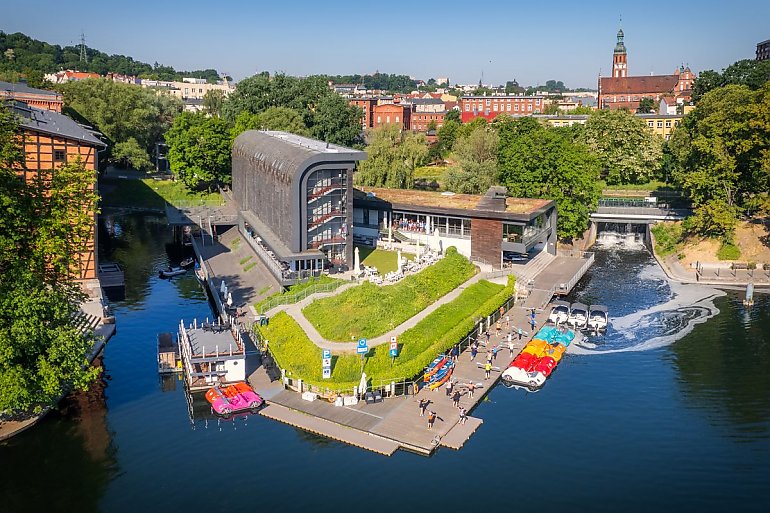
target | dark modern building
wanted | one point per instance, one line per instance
(763, 50)
(489, 228)
(295, 202)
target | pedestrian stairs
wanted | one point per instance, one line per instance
(528, 272)
(84, 322)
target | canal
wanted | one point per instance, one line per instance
(669, 411)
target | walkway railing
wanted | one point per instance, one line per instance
(564, 288)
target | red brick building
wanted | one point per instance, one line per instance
(40, 98)
(367, 105)
(392, 114)
(489, 107)
(621, 91)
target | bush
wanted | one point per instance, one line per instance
(728, 251)
(369, 310)
(668, 237)
(435, 334)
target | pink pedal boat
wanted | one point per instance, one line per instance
(233, 398)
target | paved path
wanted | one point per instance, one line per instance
(295, 310)
(715, 275)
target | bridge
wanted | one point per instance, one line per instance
(632, 212)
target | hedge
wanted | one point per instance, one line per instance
(369, 310)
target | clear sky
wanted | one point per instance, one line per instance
(531, 41)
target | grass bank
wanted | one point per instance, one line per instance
(369, 310)
(294, 293)
(435, 334)
(382, 260)
(151, 194)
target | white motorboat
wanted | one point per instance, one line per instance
(578, 316)
(559, 313)
(172, 271)
(598, 317)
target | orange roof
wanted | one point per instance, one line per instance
(638, 85)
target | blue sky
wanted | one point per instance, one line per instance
(568, 41)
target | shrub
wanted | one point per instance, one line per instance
(369, 310)
(728, 251)
(668, 237)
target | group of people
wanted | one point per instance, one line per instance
(411, 226)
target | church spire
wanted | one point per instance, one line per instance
(619, 57)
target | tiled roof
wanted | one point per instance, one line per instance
(53, 123)
(21, 87)
(638, 85)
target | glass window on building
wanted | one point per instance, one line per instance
(668, 123)
(660, 124)
(512, 232)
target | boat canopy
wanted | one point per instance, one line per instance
(599, 308)
(578, 306)
(560, 303)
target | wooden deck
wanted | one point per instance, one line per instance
(331, 430)
(460, 434)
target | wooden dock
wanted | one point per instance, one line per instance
(329, 429)
(460, 434)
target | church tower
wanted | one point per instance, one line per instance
(619, 58)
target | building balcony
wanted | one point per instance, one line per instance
(320, 192)
(316, 244)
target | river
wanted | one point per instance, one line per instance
(668, 411)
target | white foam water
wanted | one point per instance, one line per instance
(657, 326)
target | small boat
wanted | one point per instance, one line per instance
(598, 317)
(578, 315)
(233, 398)
(172, 271)
(442, 375)
(434, 367)
(199, 273)
(559, 312)
(187, 262)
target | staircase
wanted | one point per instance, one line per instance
(529, 271)
(84, 322)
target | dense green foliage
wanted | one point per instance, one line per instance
(130, 154)
(728, 251)
(324, 114)
(44, 226)
(384, 81)
(435, 334)
(627, 150)
(199, 150)
(392, 158)
(20, 53)
(476, 162)
(274, 118)
(122, 112)
(369, 310)
(540, 162)
(668, 237)
(721, 156)
(152, 194)
(646, 105)
(748, 72)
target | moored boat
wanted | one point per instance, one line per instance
(233, 398)
(559, 312)
(172, 271)
(578, 315)
(598, 317)
(187, 262)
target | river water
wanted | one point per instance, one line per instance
(668, 411)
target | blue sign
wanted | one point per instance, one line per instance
(326, 354)
(393, 353)
(362, 347)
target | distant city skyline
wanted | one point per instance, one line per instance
(499, 41)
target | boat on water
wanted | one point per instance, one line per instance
(598, 318)
(578, 316)
(539, 358)
(233, 398)
(559, 313)
(187, 262)
(171, 271)
(200, 273)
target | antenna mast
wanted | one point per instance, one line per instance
(83, 54)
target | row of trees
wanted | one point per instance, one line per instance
(387, 82)
(45, 223)
(20, 53)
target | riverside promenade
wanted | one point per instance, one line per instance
(713, 273)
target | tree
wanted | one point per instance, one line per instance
(44, 227)
(122, 111)
(130, 154)
(539, 162)
(199, 150)
(337, 122)
(749, 72)
(627, 151)
(646, 105)
(453, 115)
(447, 135)
(213, 101)
(476, 157)
(274, 118)
(722, 155)
(392, 158)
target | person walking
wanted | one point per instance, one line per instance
(463, 416)
(487, 369)
(449, 385)
(456, 399)
(431, 419)
(423, 405)
(471, 388)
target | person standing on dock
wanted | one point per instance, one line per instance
(423, 405)
(507, 321)
(456, 399)
(449, 385)
(463, 416)
(471, 388)
(495, 349)
(510, 343)
(520, 332)
(489, 357)
(454, 353)
(474, 350)
(431, 419)
(487, 369)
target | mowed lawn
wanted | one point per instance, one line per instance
(382, 260)
(370, 310)
(435, 334)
